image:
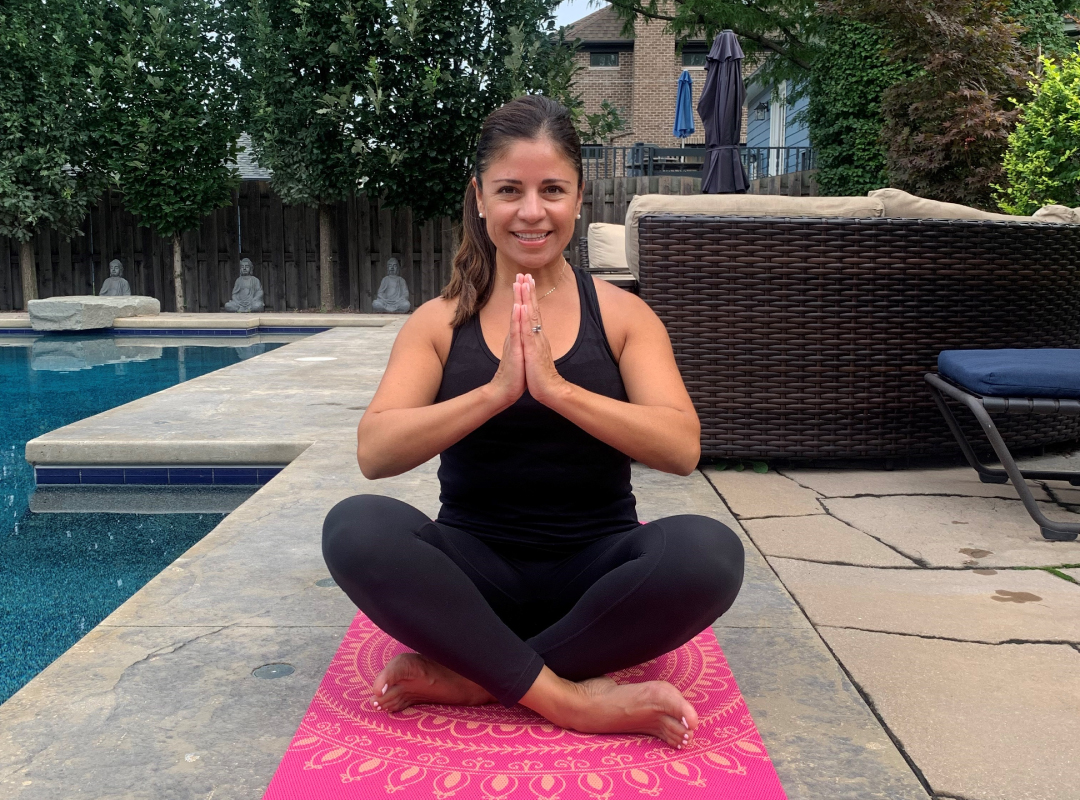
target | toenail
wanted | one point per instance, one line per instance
(375, 703)
(385, 687)
(684, 723)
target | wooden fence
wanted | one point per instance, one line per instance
(283, 243)
(792, 184)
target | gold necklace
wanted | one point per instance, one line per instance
(562, 273)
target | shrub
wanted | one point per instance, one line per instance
(1042, 163)
(850, 73)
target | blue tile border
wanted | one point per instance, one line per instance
(156, 476)
(252, 331)
(174, 332)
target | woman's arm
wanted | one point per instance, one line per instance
(403, 426)
(658, 426)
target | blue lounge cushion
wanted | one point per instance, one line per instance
(1014, 373)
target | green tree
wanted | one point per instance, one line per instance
(303, 61)
(49, 163)
(1043, 160)
(1041, 21)
(166, 91)
(388, 97)
(851, 72)
(442, 68)
(599, 127)
(946, 127)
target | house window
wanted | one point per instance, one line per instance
(693, 59)
(603, 59)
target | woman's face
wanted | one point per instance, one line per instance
(530, 201)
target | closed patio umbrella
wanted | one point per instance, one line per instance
(684, 109)
(720, 109)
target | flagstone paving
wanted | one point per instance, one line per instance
(947, 609)
(994, 722)
(1009, 605)
(821, 538)
(957, 531)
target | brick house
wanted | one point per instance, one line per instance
(638, 74)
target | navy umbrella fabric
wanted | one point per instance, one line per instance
(684, 107)
(720, 109)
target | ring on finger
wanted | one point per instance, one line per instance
(536, 329)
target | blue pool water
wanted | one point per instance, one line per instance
(61, 574)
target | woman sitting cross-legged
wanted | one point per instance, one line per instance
(537, 385)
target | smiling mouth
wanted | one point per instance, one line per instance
(531, 237)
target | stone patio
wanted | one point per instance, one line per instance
(957, 621)
(899, 635)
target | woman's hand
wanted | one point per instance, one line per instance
(544, 381)
(509, 381)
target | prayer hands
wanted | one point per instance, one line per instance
(541, 377)
(526, 357)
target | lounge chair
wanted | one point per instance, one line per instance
(1039, 381)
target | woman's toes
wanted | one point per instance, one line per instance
(674, 732)
(387, 699)
(690, 718)
(395, 703)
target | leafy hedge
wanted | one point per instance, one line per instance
(1043, 159)
(844, 111)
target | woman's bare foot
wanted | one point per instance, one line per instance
(600, 705)
(410, 678)
(655, 707)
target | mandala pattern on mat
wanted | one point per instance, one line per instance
(344, 748)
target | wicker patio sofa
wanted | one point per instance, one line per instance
(806, 335)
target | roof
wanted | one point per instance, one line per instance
(246, 165)
(600, 26)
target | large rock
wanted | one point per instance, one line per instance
(86, 312)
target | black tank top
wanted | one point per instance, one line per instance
(528, 479)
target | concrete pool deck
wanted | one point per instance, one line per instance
(159, 700)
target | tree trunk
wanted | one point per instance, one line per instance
(178, 272)
(326, 258)
(28, 270)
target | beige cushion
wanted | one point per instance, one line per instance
(909, 206)
(901, 204)
(1057, 214)
(607, 246)
(740, 205)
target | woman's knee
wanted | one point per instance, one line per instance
(710, 558)
(358, 528)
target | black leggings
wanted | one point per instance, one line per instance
(497, 619)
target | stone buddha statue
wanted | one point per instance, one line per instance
(393, 296)
(115, 285)
(247, 293)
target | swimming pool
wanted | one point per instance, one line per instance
(62, 573)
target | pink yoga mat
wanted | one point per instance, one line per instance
(346, 749)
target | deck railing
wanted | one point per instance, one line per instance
(602, 161)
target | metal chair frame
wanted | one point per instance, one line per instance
(982, 407)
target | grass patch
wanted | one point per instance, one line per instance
(1056, 571)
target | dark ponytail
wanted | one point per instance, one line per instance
(528, 117)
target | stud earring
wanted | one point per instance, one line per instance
(579, 216)
(481, 215)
